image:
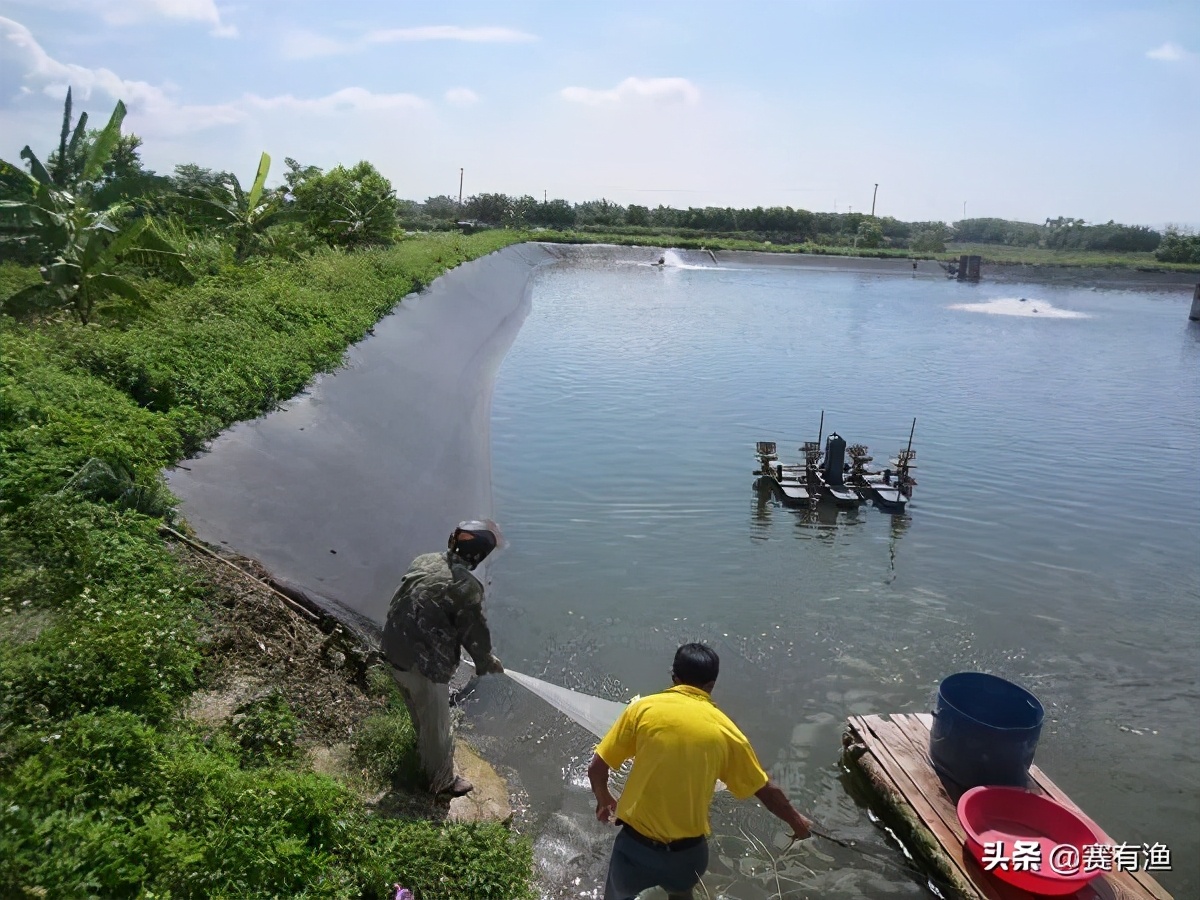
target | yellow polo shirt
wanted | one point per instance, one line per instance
(680, 744)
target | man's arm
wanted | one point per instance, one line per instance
(606, 803)
(473, 631)
(775, 800)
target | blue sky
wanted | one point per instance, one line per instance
(1022, 109)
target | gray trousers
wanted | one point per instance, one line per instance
(634, 867)
(429, 706)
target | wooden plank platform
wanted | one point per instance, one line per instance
(892, 756)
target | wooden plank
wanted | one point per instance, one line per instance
(1132, 884)
(1135, 884)
(875, 733)
(899, 748)
(867, 764)
(913, 756)
(1122, 884)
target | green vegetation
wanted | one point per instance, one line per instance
(1180, 246)
(1041, 256)
(700, 242)
(79, 243)
(100, 786)
(353, 207)
(107, 789)
(244, 216)
(1061, 241)
(386, 744)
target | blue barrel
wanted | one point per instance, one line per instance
(985, 730)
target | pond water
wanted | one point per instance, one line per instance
(1052, 540)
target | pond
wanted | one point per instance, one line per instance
(1052, 538)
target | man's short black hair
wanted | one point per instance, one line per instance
(696, 665)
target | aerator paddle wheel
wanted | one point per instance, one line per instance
(812, 462)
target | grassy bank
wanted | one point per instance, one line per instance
(998, 254)
(708, 242)
(106, 788)
(995, 254)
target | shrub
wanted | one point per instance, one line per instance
(122, 633)
(353, 207)
(265, 728)
(1179, 246)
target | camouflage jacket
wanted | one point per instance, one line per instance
(437, 608)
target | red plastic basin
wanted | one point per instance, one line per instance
(1005, 815)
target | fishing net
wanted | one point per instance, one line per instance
(595, 714)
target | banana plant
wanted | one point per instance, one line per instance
(244, 215)
(80, 246)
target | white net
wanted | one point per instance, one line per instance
(594, 713)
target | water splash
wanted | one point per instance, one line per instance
(1021, 306)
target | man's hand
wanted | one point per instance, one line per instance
(801, 828)
(606, 803)
(776, 801)
(606, 810)
(491, 666)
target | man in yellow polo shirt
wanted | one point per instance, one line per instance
(681, 744)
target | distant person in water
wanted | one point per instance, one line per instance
(681, 744)
(662, 261)
(437, 609)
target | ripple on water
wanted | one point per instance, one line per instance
(1051, 539)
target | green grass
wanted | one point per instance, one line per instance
(1036, 256)
(386, 745)
(672, 239)
(105, 789)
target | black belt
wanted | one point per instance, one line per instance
(669, 846)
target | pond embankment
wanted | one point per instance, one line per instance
(372, 465)
(109, 633)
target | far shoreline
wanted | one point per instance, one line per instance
(1115, 277)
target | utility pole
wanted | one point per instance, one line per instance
(964, 209)
(460, 181)
(873, 196)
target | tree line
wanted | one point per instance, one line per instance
(92, 210)
(785, 225)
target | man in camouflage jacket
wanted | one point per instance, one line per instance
(437, 609)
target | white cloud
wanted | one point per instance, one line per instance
(128, 12)
(351, 99)
(461, 96)
(53, 77)
(1168, 52)
(484, 35)
(155, 111)
(658, 90)
(307, 45)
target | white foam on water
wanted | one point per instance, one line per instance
(1021, 306)
(672, 260)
